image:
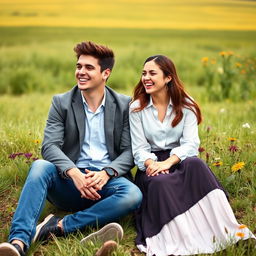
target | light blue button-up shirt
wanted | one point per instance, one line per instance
(149, 134)
(94, 151)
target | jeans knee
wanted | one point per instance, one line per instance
(133, 197)
(41, 168)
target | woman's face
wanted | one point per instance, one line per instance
(153, 78)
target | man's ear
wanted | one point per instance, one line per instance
(106, 73)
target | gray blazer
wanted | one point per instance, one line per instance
(65, 130)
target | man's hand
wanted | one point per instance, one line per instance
(81, 182)
(96, 179)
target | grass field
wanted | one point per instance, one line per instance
(42, 59)
(212, 44)
(22, 121)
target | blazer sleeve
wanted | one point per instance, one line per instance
(54, 138)
(123, 163)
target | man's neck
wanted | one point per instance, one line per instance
(94, 98)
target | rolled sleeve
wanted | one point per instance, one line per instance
(189, 141)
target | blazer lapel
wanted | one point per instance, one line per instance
(109, 122)
(80, 116)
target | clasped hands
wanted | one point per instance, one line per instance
(154, 168)
(88, 184)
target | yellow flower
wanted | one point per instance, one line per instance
(232, 139)
(238, 64)
(242, 226)
(213, 61)
(219, 163)
(230, 53)
(223, 53)
(240, 234)
(204, 60)
(238, 166)
(37, 141)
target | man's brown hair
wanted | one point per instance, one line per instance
(104, 55)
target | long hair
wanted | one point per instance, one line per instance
(180, 99)
(104, 55)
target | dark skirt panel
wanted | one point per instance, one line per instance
(168, 195)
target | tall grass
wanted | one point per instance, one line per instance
(42, 59)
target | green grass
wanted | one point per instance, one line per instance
(22, 121)
(36, 62)
(42, 58)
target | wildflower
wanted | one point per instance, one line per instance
(205, 60)
(232, 139)
(218, 163)
(28, 155)
(246, 125)
(213, 61)
(233, 148)
(238, 166)
(207, 157)
(223, 53)
(243, 71)
(37, 141)
(208, 129)
(12, 156)
(222, 110)
(242, 226)
(230, 53)
(201, 149)
(220, 70)
(240, 234)
(238, 64)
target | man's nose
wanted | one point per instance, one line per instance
(82, 70)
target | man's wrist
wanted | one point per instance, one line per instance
(71, 172)
(110, 172)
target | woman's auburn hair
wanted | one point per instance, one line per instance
(180, 99)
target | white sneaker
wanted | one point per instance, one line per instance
(7, 249)
(111, 231)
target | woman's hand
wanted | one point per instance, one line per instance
(155, 168)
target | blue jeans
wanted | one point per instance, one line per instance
(118, 198)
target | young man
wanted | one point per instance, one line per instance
(87, 155)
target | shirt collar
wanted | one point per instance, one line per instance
(101, 105)
(150, 104)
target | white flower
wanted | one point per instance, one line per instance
(246, 125)
(222, 110)
(217, 158)
(220, 70)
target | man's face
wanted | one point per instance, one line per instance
(88, 74)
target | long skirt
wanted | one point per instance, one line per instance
(185, 212)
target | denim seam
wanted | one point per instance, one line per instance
(37, 213)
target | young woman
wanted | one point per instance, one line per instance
(185, 210)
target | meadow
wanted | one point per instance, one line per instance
(37, 62)
(212, 44)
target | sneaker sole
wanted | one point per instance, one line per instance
(111, 231)
(38, 227)
(7, 249)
